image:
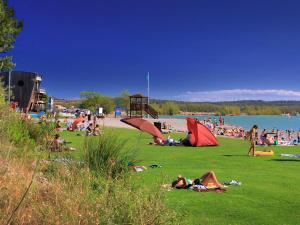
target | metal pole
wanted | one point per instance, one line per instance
(9, 80)
(148, 76)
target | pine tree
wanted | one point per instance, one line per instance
(10, 27)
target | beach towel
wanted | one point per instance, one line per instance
(217, 190)
(286, 143)
(290, 155)
(138, 168)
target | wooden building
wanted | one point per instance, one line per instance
(26, 90)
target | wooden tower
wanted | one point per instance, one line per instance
(139, 107)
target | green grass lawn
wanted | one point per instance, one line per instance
(270, 191)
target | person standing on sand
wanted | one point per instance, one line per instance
(289, 135)
(263, 137)
(221, 120)
(253, 137)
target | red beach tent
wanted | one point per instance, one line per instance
(201, 135)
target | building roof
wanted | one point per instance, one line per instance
(37, 76)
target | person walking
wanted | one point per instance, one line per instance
(253, 139)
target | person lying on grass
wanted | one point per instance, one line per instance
(208, 181)
(171, 142)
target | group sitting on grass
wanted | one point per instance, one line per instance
(233, 132)
(92, 130)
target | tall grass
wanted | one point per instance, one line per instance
(3, 117)
(107, 155)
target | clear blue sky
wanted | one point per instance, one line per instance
(191, 48)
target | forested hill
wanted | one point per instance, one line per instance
(241, 102)
(249, 107)
(168, 107)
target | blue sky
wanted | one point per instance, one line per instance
(201, 50)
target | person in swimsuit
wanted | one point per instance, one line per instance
(253, 139)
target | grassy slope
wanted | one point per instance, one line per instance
(270, 185)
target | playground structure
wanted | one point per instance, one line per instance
(139, 107)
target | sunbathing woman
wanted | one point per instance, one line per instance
(209, 180)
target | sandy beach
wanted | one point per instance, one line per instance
(178, 125)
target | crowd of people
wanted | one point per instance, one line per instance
(277, 137)
(235, 132)
(89, 123)
(84, 122)
(263, 137)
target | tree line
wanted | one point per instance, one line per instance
(235, 108)
(94, 100)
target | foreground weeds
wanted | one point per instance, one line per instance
(68, 194)
(107, 155)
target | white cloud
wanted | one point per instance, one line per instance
(238, 94)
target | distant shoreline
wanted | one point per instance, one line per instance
(216, 114)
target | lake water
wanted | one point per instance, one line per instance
(263, 122)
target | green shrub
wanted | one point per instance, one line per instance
(42, 133)
(94, 100)
(4, 109)
(18, 132)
